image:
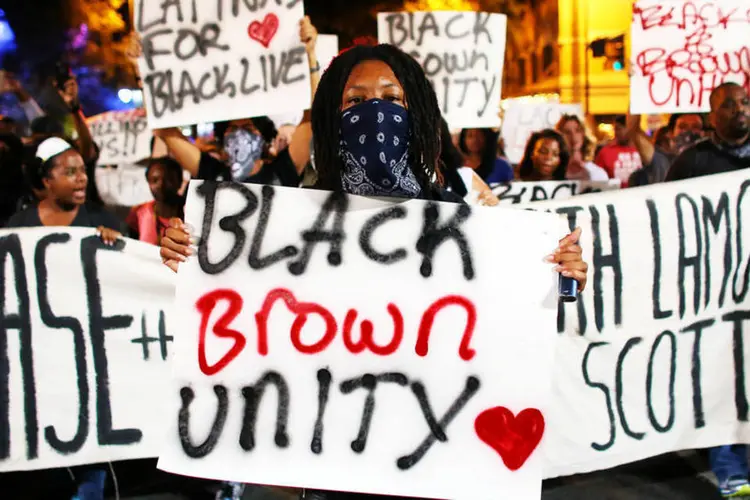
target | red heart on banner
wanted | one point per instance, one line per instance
(265, 31)
(513, 437)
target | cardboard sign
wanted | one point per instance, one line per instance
(357, 335)
(516, 193)
(122, 136)
(326, 48)
(682, 50)
(213, 61)
(462, 54)
(84, 345)
(654, 357)
(523, 117)
(124, 186)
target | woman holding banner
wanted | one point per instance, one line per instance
(382, 94)
(61, 172)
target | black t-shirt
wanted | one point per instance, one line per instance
(87, 216)
(280, 170)
(704, 158)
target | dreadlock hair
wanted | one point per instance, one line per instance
(424, 114)
(526, 167)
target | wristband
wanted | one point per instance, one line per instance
(315, 68)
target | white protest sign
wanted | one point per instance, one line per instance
(523, 117)
(84, 345)
(326, 48)
(399, 351)
(515, 193)
(462, 54)
(654, 356)
(635, 361)
(682, 50)
(213, 61)
(124, 185)
(122, 136)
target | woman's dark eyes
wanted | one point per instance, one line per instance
(354, 100)
(393, 98)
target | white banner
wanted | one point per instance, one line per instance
(122, 136)
(214, 61)
(401, 362)
(653, 358)
(682, 50)
(463, 55)
(516, 193)
(123, 186)
(655, 353)
(523, 117)
(84, 344)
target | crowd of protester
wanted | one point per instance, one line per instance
(47, 174)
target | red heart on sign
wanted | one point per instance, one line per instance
(514, 438)
(265, 31)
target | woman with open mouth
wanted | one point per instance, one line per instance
(61, 173)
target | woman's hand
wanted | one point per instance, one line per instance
(175, 244)
(69, 94)
(308, 34)
(569, 259)
(108, 236)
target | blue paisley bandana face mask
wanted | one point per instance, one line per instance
(243, 148)
(374, 149)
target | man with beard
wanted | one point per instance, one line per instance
(727, 147)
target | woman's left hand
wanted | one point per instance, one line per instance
(108, 236)
(569, 259)
(308, 34)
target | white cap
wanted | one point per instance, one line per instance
(52, 147)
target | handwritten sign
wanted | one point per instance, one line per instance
(326, 48)
(682, 50)
(462, 54)
(654, 358)
(427, 362)
(523, 117)
(122, 136)
(84, 344)
(516, 193)
(213, 61)
(124, 185)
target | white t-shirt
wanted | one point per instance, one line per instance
(596, 173)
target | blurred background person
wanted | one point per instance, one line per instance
(727, 147)
(581, 146)
(479, 147)
(545, 158)
(458, 179)
(149, 221)
(619, 158)
(657, 155)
